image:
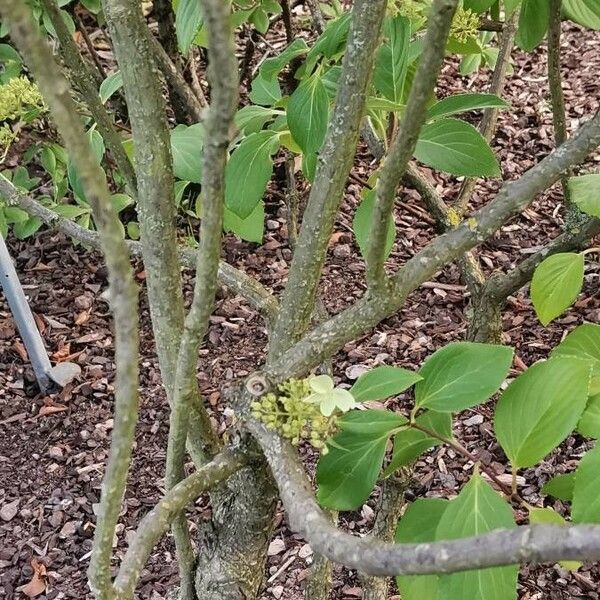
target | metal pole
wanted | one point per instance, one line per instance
(45, 373)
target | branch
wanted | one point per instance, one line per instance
(557, 97)
(500, 286)
(224, 99)
(317, 15)
(334, 164)
(156, 523)
(86, 84)
(512, 198)
(236, 281)
(176, 80)
(122, 289)
(403, 146)
(536, 544)
(488, 124)
(156, 203)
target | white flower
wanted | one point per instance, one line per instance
(329, 397)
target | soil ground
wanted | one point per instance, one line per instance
(53, 448)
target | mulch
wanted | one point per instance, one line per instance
(53, 449)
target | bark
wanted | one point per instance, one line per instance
(122, 289)
(388, 513)
(403, 146)
(334, 164)
(327, 338)
(535, 544)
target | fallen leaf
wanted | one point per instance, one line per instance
(277, 546)
(41, 324)
(82, 317)
(20, 350)
(51, 409)
(37, 585)
(62, 352)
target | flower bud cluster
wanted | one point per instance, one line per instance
(465, 25)
(292, 417)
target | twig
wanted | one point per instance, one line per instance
(156, 523)
(541, 543)
(236, 281)
(403, 146)
(335, 162)
(90, 46)
(88, 89)
(555, 84)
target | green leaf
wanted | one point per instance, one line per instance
(586, 492)
(252, 118)
(383, 382)
(188, 20)
(251, 228)
(265, 91)
(478, 6)
(272, 66)
(248, 172)
(121, 201)
(477, 509)
(560, 486)
(392, 59)
(510, 6)
(69, 211)
(584, 12)
(13, 215)
(533, 23)
(470, 63)
(418, 525)
(464, 103)
(308, 114)
(541, 408)
(361, 225)
(589, 424)
(309, 165)
(585, 191)
(27, 228)
(456, 147)
(583, 342)
(410, 443)
(556, 283)
(110, 85)
(461, 375)
(186, 147)
(260, 19)
(347, 474)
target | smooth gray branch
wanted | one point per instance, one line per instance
(536, 544)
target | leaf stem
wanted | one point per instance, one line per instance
(510, 492)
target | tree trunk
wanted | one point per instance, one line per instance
(233, 548)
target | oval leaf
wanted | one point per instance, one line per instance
(110, 85)
(456, 147)
(361, 225)
(463, 103)
(461, 375)
(556, 284)
(418, 525)
(541, 408)
(586, 491)
(560, 486)
(477, 509)
(248, 172)
(584, 12)
(533, 23)
(585, 191)
(308, 114)
(347, 474)
(186, 148)
(383, 382)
